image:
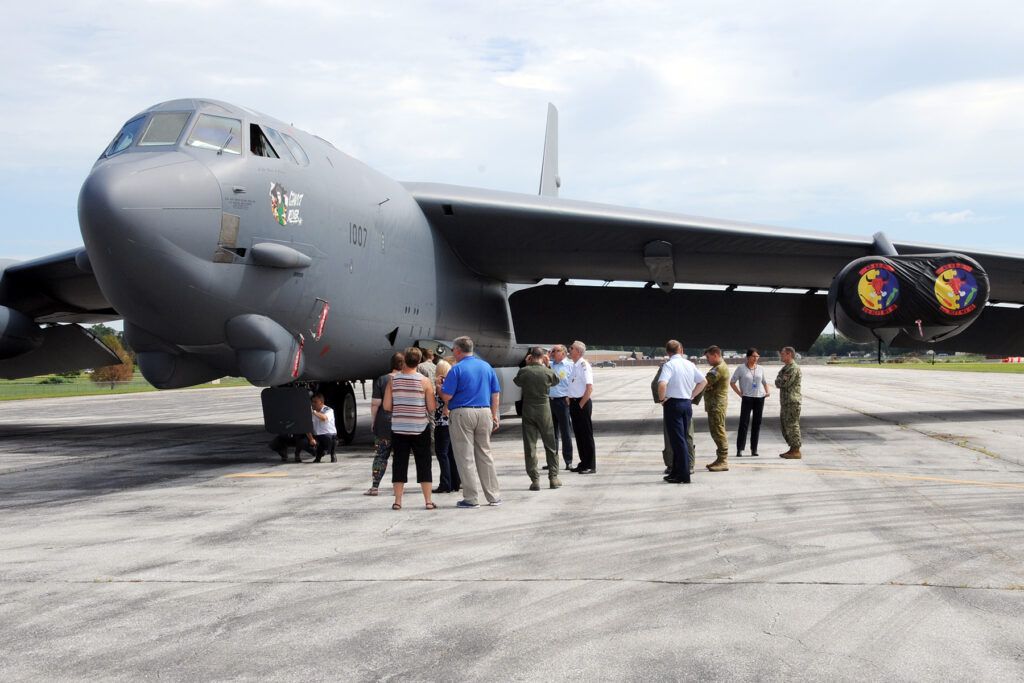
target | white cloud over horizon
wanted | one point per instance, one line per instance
(846, 117)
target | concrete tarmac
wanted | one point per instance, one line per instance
(153, 536)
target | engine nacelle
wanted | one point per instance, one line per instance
(18, 333)
(929, 297)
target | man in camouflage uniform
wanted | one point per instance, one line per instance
(788, 382)
(536, 379)
(666, 452)
(716, 400)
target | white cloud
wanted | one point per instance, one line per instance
(812, 114)
(946, 217)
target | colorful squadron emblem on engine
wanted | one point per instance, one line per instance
(879, 290)
(956, 289)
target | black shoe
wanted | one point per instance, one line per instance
(317, 459)
(573, 469)
(440, 490)
(754, 455)
(739, 454)
(544, 468)
(585, 471)
(672, 480)
(283, 454)
(568, 467)
(668, 470)
(334, 458)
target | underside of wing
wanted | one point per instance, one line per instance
(624, 316)
(37, 294)
(56, 288)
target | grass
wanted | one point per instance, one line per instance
(82, 385)
(950, 366)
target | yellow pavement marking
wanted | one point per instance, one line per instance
(883, 475)
(255, 475)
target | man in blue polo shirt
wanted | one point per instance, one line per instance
(473, 395)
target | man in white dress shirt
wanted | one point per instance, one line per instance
(680, 381)
(581, 388)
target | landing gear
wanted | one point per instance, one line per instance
(346, 415)
(342, 397)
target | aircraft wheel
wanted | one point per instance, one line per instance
(345, 415)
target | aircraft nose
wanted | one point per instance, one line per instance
(160, 201)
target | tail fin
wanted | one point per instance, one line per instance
(549, 180)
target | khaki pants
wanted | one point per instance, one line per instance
(471, 442)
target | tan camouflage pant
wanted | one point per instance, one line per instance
(716, 425)
(789, 418)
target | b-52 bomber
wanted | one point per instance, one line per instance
(231, 243)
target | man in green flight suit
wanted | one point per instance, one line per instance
(716, 400)
(788, 382)
(666, 452)
(536, 379)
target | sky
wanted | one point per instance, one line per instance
(847, 117)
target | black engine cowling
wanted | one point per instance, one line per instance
(929, 297)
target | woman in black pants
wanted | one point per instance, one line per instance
(749, 383)
(410, 400)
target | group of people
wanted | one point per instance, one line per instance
(453, 404)
(678, 385)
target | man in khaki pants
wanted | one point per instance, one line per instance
(473, 394)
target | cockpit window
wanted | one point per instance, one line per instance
(126, 137)
(297, 151)
(164, 128)
(258, 143)
(217, 133)
(275, 137)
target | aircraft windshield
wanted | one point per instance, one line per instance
(218, 133)
(126, 137)
(164, 128)
(297, 151)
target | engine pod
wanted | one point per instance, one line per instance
(927, 296)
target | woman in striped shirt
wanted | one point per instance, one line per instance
(410, 400)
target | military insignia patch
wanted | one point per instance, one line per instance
(956, 289)
(878, 289)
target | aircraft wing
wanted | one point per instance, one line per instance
(524, 238)
(55, 288)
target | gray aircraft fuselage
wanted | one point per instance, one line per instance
(223, 261)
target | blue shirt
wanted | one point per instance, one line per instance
(470, 382)
(563, 371)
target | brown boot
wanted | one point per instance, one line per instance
(555, 482)
(792, 454)
(534, 485)
(719, 465)
(786, 454)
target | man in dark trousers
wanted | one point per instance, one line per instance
(536, 379)
(581, 407)
(666, 452)
(680, 381)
